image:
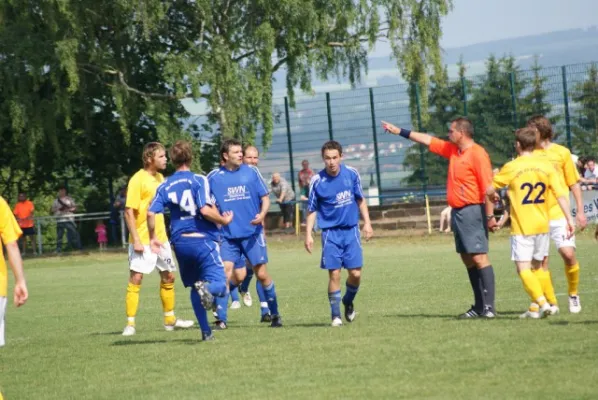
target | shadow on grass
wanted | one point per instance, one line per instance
(136, 342)
(565, 323)
(106, 333)
(441, 316)
(309, 324)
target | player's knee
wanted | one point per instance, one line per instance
(480, 260)
(167, 277)
(136, 278)
(335, 275)
(568, 255)
(355, 273)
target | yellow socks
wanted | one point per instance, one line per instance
(545, 280)
(572, 273)
(132, 302)
(532, 286)
(167, 297)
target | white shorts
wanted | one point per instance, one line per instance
(558, 233)
(2, 313)
(529, 247)
(148, 261)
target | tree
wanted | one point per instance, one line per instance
(492, 109)
(585, 118)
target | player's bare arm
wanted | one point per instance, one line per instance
(582, 221)
(367, 230)
(259, 218)
(130, 220)
(155, 244)
(417, 137)
(564, 204)
(16, 264)
(309, 227)
(211, 214)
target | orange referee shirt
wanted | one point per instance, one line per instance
(469, 174)
(23, 211)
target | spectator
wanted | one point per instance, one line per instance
(118, 208)
(445, 219)
(305, 176)
(24, 213)
(101, 234)
(63, 208)
(590, 174)
(284, 195)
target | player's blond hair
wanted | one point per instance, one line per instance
(149, 151)
(181, 153)
(543, 125)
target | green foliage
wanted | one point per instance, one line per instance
(585, 118)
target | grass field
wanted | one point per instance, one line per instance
(405, 343)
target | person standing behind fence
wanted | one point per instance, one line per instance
(24, 212)
(305, 176)
(469, 175)
(9, 234)
(101, 234)
(284, 197)
(63, 208)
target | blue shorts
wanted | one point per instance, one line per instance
(241, 262)
(341, 247)
(199, 260)
(252, 247)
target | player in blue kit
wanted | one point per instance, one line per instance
(336, 196)
(194, 233)
(240, 188)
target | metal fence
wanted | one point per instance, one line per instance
(496, 102)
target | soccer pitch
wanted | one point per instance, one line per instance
(66, 342)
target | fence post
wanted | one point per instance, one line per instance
(566, 101)
(329, 116)
(286, 114)
(420, 127)
(38, 228)
(464, 88)
(123, 238)
(513, 100)
(374, 132)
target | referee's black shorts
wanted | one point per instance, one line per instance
(470, 229)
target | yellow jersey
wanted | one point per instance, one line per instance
(140, 193)
(9, 233)
(529, 179)
(560, 157)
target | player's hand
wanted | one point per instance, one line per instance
(227, 217)
(309, 243)
(155, 245)
(495, 198)
(368, 232)
(138, 247)
(582, 221)
(493, 225)
(570, 228)
(388, 127)
(259, 218)
(20, 293)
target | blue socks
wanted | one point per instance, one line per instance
(221, 307)
(335, 304)
(271, 298)
(244, 288)
(200, 314)
(234, 292)
(350, 293)
(262, 296)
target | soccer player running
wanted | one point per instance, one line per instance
(9, 235)
(194, 234)
(531, 180)
(251, 157)
(469, 175)
(240, 188)
(560, 157)
(140, 192)
(337, 196)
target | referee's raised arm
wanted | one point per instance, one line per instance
(418, 137)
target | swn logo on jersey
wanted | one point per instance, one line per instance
(343, 198)
(237, 193)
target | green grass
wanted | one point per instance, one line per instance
(66, 343)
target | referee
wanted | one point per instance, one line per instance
(469, 174)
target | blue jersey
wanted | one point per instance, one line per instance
(184, 193)
(239, 191)
(335, 198)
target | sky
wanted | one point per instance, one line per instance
(478, 21)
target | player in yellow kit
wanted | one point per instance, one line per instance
(9, 234)
(530, 180)
(140, 193)
(561, 158)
